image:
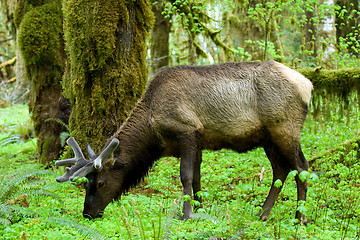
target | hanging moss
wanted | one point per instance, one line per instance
(105, 42)
(339, 82)
(333, 86)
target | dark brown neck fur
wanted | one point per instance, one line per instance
(139, 147)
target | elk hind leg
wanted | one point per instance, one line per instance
(301, 164)
(197, 178)
(189, 150)
(280, 171)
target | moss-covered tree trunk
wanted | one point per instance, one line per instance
(105, 43)
(42, 47)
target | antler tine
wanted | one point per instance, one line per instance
(66, 176)
(79, 161)
(70, 172)
(91, 152)
(82, 172)
(77, 152)
(105, 154)
(76, 148)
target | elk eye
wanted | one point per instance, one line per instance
(101, 184)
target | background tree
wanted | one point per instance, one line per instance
(196, 38)
(347, 26)
(159, 45)
(327, 34)
(15, 84)
(105, 43)
(289, 31)
(41, 44)
(309, 42)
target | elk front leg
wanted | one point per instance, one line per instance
(273, 194)
(189, 147)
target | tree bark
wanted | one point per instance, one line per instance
(310, 33)
(159, 48)
(105, 42)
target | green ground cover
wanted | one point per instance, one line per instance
(34, 206)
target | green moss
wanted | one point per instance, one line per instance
(36, 3)
(333, 86)
(19, 12)
(41, 45)
(44, 147)
(107, 69)
(24, 6)
(338, 83)
(40, 33)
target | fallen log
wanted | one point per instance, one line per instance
(344, 147)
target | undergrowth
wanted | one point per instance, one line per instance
(232, 190)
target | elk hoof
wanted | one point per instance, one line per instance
(263, 215)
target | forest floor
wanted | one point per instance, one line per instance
(34, 206)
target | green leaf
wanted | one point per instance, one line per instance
(186, 198)
(304, 175)
(292, 174)
(278, 183)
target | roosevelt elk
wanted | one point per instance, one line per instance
(185, 109)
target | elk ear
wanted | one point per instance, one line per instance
(110, 162)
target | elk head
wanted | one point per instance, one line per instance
(101, 188)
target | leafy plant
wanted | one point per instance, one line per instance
(157, 231)
(84, 231)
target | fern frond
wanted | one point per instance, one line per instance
(5, 210)
(63, 137)
(13, 184)
(41, 193)
(206, 216)
(10, 139)
(4, 221)
(13, 213)
(83, 230)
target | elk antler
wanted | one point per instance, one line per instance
(83, 167)
(105, 154)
